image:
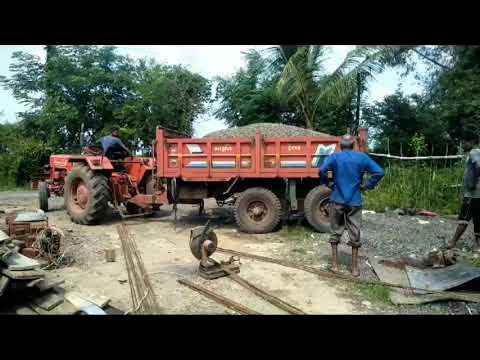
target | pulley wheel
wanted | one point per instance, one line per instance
(196, 244)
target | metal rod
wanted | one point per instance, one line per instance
(417, 157)
(264, 294)
(328, 274)
(218, 298)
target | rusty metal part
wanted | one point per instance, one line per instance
(257, 210)
(143, 296)
(264, 294)
(27, 231)
(198, 236)
(219, 298)
(332, 275)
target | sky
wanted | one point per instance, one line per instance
(209, 61)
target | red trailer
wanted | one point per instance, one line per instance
(269, 179)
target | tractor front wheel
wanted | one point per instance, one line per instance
(86, 195)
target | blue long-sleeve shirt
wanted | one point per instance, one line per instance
(112, 143)
(348, 168)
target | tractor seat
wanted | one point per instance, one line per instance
(92, 151)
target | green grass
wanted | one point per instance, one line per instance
(376, 294)
(473, 261)
(295, 232)
(421, 186)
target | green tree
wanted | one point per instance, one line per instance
(171, 96)
(398, 122)
(303, 78)
(249, 96)
(82, 91)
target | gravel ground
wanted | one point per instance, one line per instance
(269, 130)
(385, 235)
(393, 235)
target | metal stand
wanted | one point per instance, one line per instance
(203, 243)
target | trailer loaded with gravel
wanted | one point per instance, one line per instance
(268, 178)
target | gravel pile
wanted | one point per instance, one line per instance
(269, 130)
(393, 235)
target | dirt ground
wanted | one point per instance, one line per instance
(167, 257)
(165, 251)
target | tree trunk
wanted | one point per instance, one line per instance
(308, 122)
(51, 53)
(356, 124)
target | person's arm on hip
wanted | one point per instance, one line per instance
(375, 171)
(325, 168)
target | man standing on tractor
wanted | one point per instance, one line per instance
(470, 209)
(348, 167)
(113, 147)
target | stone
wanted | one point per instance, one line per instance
(24, 274)
(18, 261)
(366, 303)
(49, 300)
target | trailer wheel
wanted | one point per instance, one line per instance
(86, 195)
(43, 195)
(257, 210)
(316, 207)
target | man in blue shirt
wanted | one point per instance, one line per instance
(348, 168)
(113, 147)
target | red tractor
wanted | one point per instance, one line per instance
(90, 182)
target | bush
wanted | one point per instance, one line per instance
(21, 158)
(423, 185)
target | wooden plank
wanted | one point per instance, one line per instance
(399, 296)
(279, 303)
(80, 299)
(24, 274)
(64, 308)
(49, 300)
(218, 298)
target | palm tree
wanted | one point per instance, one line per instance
(303, 78)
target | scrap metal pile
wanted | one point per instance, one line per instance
(28, 247)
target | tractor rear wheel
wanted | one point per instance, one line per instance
(257, 210)
(316, 207)
(86, 195)
(150, 188)
(43, 195)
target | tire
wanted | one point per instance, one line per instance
(86, 196)
(150, 189)
(316, 208)
(43, 195)
(265, 201)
